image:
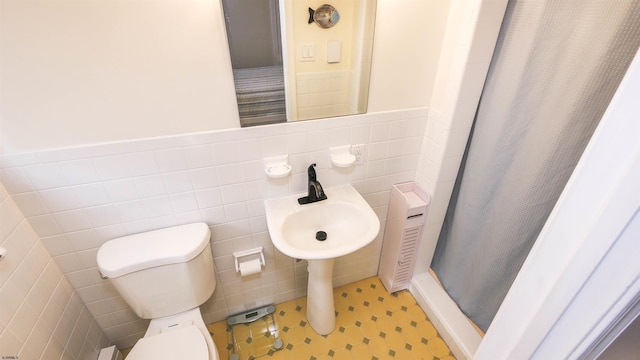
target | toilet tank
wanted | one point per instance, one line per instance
(162, 272)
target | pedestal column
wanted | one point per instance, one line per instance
(321, 311)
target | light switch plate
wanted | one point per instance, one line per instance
(307, 52)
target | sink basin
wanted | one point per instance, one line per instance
(320, 232)
(345, 217)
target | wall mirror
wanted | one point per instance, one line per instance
(288, 67)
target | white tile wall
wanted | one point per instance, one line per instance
(110, 190)
(41, 316)
(468, 46)
(323, 94)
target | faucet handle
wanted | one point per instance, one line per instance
(311, 172)
(315, 189)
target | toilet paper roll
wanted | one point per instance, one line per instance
(250, 267)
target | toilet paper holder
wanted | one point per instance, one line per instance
(245, 253)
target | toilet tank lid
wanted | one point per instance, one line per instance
(172, 245)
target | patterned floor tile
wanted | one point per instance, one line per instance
(370, 324)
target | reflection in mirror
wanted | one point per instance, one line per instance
(253, 33)
(326, 68)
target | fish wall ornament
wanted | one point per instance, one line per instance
(325, 16)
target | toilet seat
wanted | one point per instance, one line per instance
(183, 343)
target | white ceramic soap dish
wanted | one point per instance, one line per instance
(277, 166)
(341, 156)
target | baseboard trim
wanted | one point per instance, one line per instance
(451, 323)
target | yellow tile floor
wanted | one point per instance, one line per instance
(370, 324)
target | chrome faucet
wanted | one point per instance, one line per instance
(315, 189)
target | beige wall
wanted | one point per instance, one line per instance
(79, 72)
(83, 72)
(311, 33)
(407, 43)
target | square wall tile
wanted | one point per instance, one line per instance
(44, 225)
(73, 220)
(79, 171)
(199, 156)
(169, 160)
(111, 167)
(91, 194)
(118, 190)
(141, 163)
(30, 203)
(204, 178)
(16, 180)
(102, 215)
(46, 176)
(184, 202)
(150, 186)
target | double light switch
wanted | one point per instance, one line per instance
(307, 52)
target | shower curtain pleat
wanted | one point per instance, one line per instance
(555, 68)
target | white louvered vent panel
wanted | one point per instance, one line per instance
(409, 243)
(408, 208)
(403, 275)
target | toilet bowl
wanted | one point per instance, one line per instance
(165, 275)
(182, 336)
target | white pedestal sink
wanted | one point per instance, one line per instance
(348, 224)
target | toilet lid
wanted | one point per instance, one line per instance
(183, 343)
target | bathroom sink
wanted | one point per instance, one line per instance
(337, 226)
(319, 232)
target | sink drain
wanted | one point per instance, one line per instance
(321, 236)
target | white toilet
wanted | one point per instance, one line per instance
(165, 275)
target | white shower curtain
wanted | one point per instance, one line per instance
(554, 71)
